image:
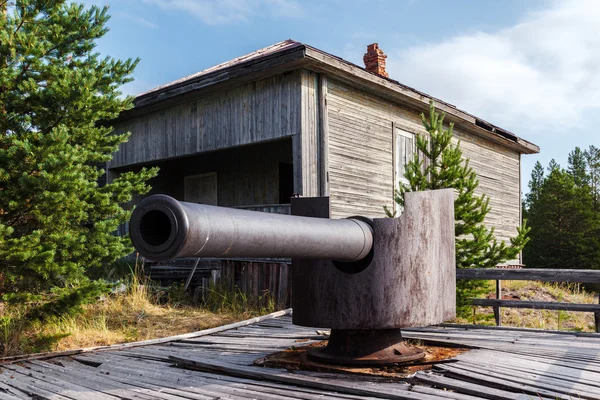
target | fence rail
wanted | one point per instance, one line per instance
(530, 274)
(545, 275)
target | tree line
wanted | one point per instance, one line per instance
(563, 210)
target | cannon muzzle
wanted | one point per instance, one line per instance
(162, 228)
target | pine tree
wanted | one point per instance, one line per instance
(553, 166)
(438, 164)
(564, 231)
(535, 183)
(592, 155)
(55, 220)
(577, 167)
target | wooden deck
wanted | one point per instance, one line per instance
(503, 364)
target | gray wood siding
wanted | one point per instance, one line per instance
(259, 111)
(360, 152)
(361, 159)
(499, 177)
(306, 145)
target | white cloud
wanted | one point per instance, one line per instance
(542, 73)
(137, 19)
(217, 12)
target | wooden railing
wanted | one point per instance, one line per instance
(530, 274)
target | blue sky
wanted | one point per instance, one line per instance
(531, 67)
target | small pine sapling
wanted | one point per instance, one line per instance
(438, 164)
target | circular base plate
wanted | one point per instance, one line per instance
(366, 347)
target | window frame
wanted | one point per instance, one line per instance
(398, 175)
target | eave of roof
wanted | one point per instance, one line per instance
(292, 53)
(257, 55)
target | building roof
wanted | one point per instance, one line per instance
(290, 54)
(235, 362)
(264, 52)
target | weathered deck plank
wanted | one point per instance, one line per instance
(467, 387)
(505, 364)
(10, 393)
(103, 383)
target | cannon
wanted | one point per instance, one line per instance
(363, 278)
(164, 228)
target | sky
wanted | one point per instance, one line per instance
(531, 67)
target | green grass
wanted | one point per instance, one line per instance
(221, 299)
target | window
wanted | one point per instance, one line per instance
(405, 148)
(286, 182)
(201, 188)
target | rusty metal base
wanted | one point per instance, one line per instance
(366, 347)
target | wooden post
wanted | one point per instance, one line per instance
(323, 136)
(597, 317)
(191, 275)
(497, 315)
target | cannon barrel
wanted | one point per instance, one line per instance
(163, 228)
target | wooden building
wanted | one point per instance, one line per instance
(291, 119)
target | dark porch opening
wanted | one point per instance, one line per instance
(246, 176)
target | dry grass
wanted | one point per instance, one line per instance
(541, 319)
(130, 317)
(139, 312)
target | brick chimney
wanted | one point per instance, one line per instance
(374, 60)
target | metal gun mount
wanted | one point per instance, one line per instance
(365, 279)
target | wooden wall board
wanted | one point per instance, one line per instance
(263, 110)
(360, 128)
